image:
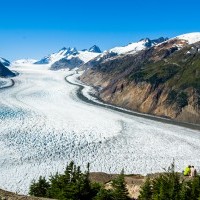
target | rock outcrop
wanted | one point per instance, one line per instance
(5, 72)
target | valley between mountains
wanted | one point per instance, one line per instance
(45, 125)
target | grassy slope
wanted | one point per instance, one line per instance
(177, 71)
(180, 71)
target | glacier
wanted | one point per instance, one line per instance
(44, 125)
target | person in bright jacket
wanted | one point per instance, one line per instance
(193, 172)
(187, 170)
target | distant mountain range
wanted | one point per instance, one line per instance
(69, 58)
(72, 58)
(131, 48)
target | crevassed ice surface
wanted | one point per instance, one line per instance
(44, 126)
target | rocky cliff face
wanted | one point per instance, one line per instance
(5, 72)
(5, 62)
(67, 63)
(163, 80)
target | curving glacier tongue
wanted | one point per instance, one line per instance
(44, 126)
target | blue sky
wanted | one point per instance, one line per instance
(35, 28)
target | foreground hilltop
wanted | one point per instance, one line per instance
(162, 80)
(133, 182)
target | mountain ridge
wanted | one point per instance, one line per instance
(69, 57)
(131, 48)
(163, 80)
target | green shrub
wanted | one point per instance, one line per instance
(75, 185)
(40, 188)
(146, 190)
(137, 76)
(104, 194)
(171, 98)
(170, 186)
(120, 190)
(182, 99)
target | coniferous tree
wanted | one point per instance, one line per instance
(104, 194)
(73, 184)
(40, 188)
(167, 185)
(120, 190)
(185, 192)
(170, 185)
(146, 190)
(195, 188)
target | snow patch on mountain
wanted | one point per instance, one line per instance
(137, 46)
(190, 37)
(85, 56)
(52, 58)
(133, 47)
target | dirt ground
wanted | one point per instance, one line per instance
(5, 195)
(133, 182)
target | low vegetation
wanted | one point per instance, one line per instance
(169, 68)
(172, 186)
(75, 185)
(181, 98)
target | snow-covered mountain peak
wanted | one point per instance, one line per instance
(149, 43)
(52, 58)
(145, 40)
(69, 58)
(72, 51)
(137, 46)
(95, 49)
(191, 38)
(67, 51)
(63, 49)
